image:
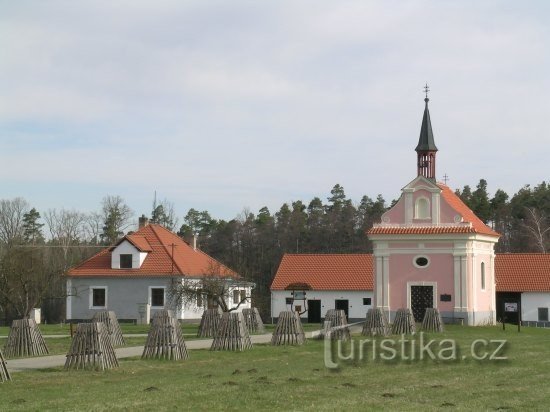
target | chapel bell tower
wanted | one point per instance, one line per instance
(426, 148)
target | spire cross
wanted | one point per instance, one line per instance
(445, 178)
(426, 90)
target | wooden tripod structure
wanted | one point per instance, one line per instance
(165, 339)
(335, 325)
(376, 323)
(91, 348)
(210, 321)
(253, 320)
(25, 339)
(289, 330)
(112, 325)
(232, 333)
(404, 323)
(432, 321)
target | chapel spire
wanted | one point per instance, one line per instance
(426, 148)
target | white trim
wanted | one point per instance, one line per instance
(457, 292)
(69, 309)
(421, 283)
(91, 297)
(463, 283)
(150, 299)
(386, 282)
(436, 208)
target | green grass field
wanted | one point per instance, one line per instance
(295, 378)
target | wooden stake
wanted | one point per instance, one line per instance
(4, 373)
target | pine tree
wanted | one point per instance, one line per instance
(32, 229)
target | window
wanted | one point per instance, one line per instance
(243, 295)
(543, 314)
(236, 295)
(482, 275)
(421, 261)
(367, 301)
(98, 297)
(422, 208)
(157, 297)
(289, 301)
(126, 261)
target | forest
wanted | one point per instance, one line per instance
(37, 248)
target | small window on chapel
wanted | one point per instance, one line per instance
(422, 208)
(421, 261)
(482, 275)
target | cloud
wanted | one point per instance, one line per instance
(227, 105)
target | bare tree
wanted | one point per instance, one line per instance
(537, 226)
(66, 228)
(11, 219)
(93, 226)
(216, 288)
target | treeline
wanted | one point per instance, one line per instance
(522, 220)
(36, 249)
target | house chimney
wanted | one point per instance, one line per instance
(195, 238)
(143, 221)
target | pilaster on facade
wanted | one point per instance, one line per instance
(464, 283)
(457, 285)
(409, 209)
(436, 218)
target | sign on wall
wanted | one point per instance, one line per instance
(510, 306)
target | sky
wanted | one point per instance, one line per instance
(227, 105)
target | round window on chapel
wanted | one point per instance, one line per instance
(421, 261)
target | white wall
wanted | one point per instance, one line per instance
(356, 308)
(123, 296)
(530, 302)
(126, 248)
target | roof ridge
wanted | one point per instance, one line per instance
(170, 254)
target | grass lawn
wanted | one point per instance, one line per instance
(295, 378)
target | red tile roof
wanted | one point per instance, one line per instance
(159, 243)
(522, 272)
(325, 272)
(514, 272)
(476, 225)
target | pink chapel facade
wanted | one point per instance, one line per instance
(426, 254)
(431, 251)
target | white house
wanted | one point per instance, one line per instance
(133, 277)
(311, 284)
